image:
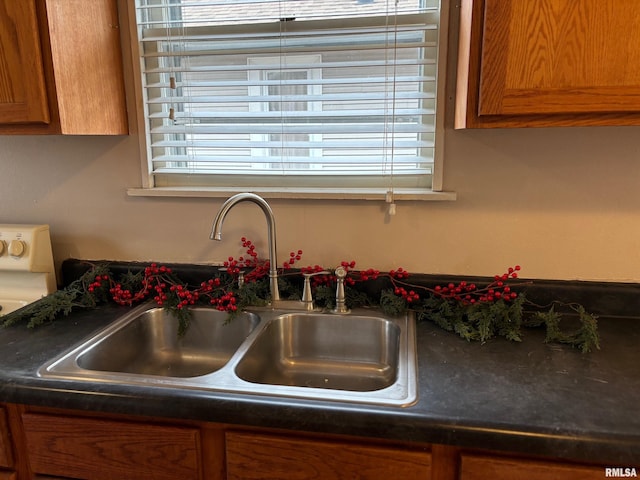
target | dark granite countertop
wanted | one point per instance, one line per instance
(526, 397)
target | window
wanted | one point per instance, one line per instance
(296, 94)
(276, 81)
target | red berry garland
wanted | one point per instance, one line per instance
(169, 291)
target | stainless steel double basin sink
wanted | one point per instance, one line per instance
(362, 357)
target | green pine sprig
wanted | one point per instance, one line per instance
(585, 337)
(62, 302)
(485, 320)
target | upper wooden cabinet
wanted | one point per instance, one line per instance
(527, 63)
(61, 68)
(20, 59)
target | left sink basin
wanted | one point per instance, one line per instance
(146, 342)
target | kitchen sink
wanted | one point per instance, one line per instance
(358, 353)
(363, 357)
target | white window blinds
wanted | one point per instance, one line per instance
(301, 91)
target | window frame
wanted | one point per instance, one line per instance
(152, 185)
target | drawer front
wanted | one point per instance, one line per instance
(270, 457)
(479, 467)
(6, 455)
(104, 449)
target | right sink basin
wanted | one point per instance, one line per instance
(348, 352)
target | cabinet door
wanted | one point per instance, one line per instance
(6, 457)
(477, 467)
(105, 449)
(23, 97)
(89, 80)
(271, 457)
(549, 62)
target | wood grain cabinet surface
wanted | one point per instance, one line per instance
(38, 443)
(61, 68)
(96, 449)
(6, 449)
(23, 95)
(480, 467)
(271, 457)
(548, 63)
(6, 455)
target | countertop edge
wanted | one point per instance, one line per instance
(392, 424)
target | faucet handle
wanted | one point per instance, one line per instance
(341, 272)
(307, 296)
(240, 275)
(341, 307)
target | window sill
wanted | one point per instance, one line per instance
(297, 193)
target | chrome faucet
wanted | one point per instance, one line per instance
(216, 234)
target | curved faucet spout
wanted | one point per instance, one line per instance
(216, 233)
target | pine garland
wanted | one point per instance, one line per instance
(474, 313)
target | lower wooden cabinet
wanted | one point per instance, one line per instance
(482, 467)
(48, 477)
(6, 455)
(89, 448)
(272, 457)
(7, 462)
(48, 444)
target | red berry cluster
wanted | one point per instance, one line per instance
(469, 293)
(318, 280)
(348, 266)
(293, 258)
(185, 296)
(512, 272)
(232, 266)
(361, 276)
(225, 303)
(152, 272)
(211, 289)
(330, 278)
(257, 267)
(369, 274)
(312, 269)
(97, 283)
(260, 268)
(251, 248)
(463, 291)
(410, 296)
(122, 296)
(154, 277)
(168, 290)
(400, 273)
